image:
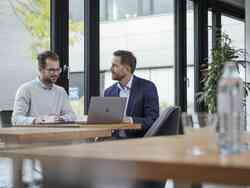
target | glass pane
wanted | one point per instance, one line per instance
(76, 55)
(190, 56)
(190, 53)
(236, 31)
(190, 89)
(120, 9)
(103, 12)
(164, 80)
(25, 31)
(147, 7)
(149, 39)
(163, 6)
(210, 46)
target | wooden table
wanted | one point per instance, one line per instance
(118, 126)
(31, 135)
(155, 159)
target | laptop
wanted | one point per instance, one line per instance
(104, 110)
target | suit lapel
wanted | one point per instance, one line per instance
(116, 91)
(132, 96)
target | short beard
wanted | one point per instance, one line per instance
(119, 78)
(48, 81)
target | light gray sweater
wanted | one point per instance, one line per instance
(34, 99)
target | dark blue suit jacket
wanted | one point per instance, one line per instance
(143, 104)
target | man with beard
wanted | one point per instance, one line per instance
(40, 100)
(142, 98)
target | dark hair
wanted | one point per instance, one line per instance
(127, 58)
(42, 57)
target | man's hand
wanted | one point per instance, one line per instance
(58, 119)
(48, 119)
(38, 120)
(127, 119)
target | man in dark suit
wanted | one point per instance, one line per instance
(142, 98)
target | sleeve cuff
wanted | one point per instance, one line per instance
(22, 120)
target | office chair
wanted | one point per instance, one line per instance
(167, 124)
(5, 118)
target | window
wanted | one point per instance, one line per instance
(236, 31)
(148, 38)
(146, 7)
(190, 57)
(103, 10)
(25, 31)
(210, 34)
(120, 9)
(190, 53)
(76, 10)
(163, 6)
(76, 55)
(113, 10)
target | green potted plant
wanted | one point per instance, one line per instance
(223, 52)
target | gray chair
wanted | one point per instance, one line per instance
(5, 118)
(167, 124)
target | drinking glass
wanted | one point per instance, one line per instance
(199, 132)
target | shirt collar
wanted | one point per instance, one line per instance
(128, 86)
(43, 85)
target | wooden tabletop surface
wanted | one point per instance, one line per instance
(157, 158)
(118, 126)
(23, 135)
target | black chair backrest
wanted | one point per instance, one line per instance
(167, 124)
(5, 118)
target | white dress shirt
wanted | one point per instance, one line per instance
(125, 91)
